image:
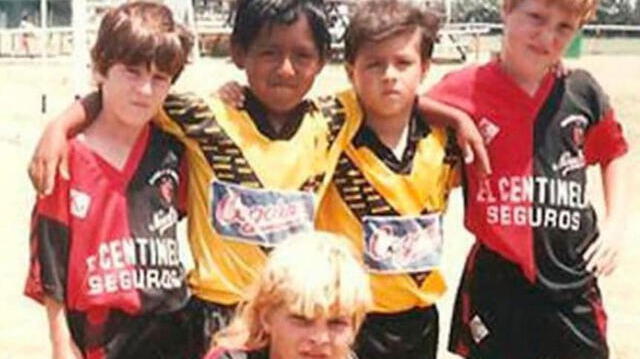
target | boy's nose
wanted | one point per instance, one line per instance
(286, 67)
(319, 334)
(390, 72)
(145, 86)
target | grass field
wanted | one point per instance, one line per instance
(23, 328)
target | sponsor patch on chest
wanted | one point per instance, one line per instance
(258, 216)
(402, 244)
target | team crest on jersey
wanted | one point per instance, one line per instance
(80, 203)
(165, 181)
(571, 160)
(488, 130)
(402, 244)
(258, 216)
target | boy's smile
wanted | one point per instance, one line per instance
(281, 65)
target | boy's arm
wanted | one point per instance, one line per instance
(50, 154)
(602, 255)
(468, 136)
(62, 344)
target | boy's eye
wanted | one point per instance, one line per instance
(339, 323)
(162, 77)
(374, 64)
(268, 53)
(300, 319)
(405, 63)
(537, 18)
(303, 55)
(133, 70)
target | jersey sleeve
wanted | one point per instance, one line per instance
(604, 138)
(455, 89)
(49, 245)
(188, 110)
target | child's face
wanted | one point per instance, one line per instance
(281, 64)
(293, 336)
(536, 33)
(386, 74)
(133, 94)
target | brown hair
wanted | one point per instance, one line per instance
(378, 20)
(141, 33)
(585, 9)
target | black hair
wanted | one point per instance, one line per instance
(252, 15)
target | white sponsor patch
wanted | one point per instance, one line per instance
(479, 331)
(402, 244)
(80, 203)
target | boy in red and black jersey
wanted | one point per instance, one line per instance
(529, 289)
(104, 251)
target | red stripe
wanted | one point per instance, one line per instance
(600, 314)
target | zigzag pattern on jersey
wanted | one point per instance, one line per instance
(334, 110)
(363, 199)
(199, 123)
(452, 152)
(313, 183)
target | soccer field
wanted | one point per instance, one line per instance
(23, 326)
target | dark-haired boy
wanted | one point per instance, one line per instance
(391, 186)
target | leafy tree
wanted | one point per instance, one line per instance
(617, 12)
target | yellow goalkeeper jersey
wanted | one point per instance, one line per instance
(394, 218)
(247, 191)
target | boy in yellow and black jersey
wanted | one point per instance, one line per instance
(391, 185)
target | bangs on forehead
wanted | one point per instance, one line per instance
(336, 288)
(141, 33)
(163, 52)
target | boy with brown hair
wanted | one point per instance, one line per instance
(529, 289)
(104, 251)
(391, 186)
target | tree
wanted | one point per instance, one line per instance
(617, 12)
(476, 11)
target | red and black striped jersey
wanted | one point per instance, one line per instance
(104, 242)
(533, 209)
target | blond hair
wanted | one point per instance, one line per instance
(585, 9)
(313, 274)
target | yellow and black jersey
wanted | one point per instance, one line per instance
(393, 213)
(248, 191)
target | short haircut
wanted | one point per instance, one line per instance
(378, 20)
(340, 286)
(142, 33)
(584, 9)
(252, 15)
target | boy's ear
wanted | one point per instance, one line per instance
(97, 77)
(238, 55)
(265, 320)
(349, 68)
(426, 64)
